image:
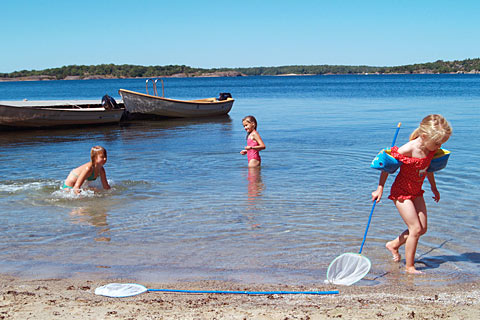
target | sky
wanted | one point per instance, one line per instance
(36, 35)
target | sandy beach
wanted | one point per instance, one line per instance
(75, 299)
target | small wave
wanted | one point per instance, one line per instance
(89, 189)
(19, 186)
(70, 194)
(51, 191)
(93, 189)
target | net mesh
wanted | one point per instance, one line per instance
(120, 290)
(348, 268)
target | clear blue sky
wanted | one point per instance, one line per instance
(243, 33)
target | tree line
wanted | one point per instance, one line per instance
(111, 70)
(136, 71)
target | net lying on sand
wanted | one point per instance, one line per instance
(120, 290)
(123, 290)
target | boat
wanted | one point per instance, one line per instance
(154, 105)
(54, 113)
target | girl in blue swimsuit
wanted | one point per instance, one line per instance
(89, 171)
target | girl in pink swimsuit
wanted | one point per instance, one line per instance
(254, 142)
(406, 191)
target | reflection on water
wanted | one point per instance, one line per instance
(255, 185)
(113, 132)
(94, 216)
(254, 194)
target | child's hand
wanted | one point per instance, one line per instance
(436, 195)
(243, 152)
(377, 194)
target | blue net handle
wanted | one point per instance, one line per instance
(245, 292)
(375, 202)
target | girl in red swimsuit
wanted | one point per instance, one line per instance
(406, 191)
(254, 142)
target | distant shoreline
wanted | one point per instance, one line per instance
(127, 71)
(214, 75)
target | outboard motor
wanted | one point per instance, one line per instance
(109, 103)
(224, 96)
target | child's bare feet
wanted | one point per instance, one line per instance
(412, 270)
(394, 251)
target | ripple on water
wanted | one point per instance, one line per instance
(183, 204)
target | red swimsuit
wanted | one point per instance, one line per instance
(408, 183)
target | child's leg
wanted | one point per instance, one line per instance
(253, 163)
(409, 214)
(395, 244)
(421, 208)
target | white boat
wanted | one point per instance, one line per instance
(147, 104)
(51, 113)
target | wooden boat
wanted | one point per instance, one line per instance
(25, 114)
(146, 104)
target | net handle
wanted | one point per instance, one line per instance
(375, 202)
(246, 292)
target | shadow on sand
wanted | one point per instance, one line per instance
(435, 261)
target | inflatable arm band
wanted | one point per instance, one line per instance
(439, 160)
(385, 162)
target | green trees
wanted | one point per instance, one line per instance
(136, 71)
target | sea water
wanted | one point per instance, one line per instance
(185, 207)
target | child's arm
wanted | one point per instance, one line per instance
(377, 194)
(81, 178)
(103, 177)
(261, 144)
(433, 186)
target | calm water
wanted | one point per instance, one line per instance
(184, 205)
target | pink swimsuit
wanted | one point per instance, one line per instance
(253, 153)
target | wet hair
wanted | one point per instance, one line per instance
(435, 127)
(95, 152)
(250, 119)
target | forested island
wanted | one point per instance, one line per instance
(112, 71)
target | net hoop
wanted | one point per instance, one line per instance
(120, 290)
(348, 268)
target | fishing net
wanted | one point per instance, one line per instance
(348, 268)
(120, 290)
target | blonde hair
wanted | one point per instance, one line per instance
(435, 127)
(96, 151)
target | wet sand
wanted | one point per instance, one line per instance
(75, 299)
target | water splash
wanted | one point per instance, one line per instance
(12, 187)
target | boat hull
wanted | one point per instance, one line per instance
(139, 103)
(32, 115)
